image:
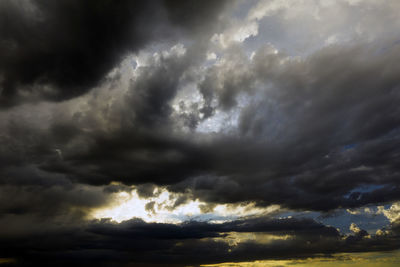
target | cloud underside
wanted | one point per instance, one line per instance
(207, 103)
(190, 243)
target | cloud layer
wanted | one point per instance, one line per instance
(219, 102)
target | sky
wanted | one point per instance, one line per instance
(199, 133)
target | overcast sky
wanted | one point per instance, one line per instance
(197, 132)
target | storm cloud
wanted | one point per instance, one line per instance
(267, 120)
(60, 50)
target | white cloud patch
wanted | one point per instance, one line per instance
(392, 213)
(354, 228)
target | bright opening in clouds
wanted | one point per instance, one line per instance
(199, 133)
(167, 207)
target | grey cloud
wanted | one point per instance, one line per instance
(61, 50)
(308, 125)
(139, 243)
(314, 133)
(312, 121)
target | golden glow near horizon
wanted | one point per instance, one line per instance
(7, 261)
(235, 238)
(368, 259)
(161, 208)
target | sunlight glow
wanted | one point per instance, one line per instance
(163, 208)
(368, 259)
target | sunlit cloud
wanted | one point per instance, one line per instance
(190, 132)
(162, 208)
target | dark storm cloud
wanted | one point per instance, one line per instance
(319, 129)
(59, 50)
(137, 242)
(316, 133)
(142, 138)
(28, 193)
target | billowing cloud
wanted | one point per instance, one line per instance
(146, 132)
(61, 50)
